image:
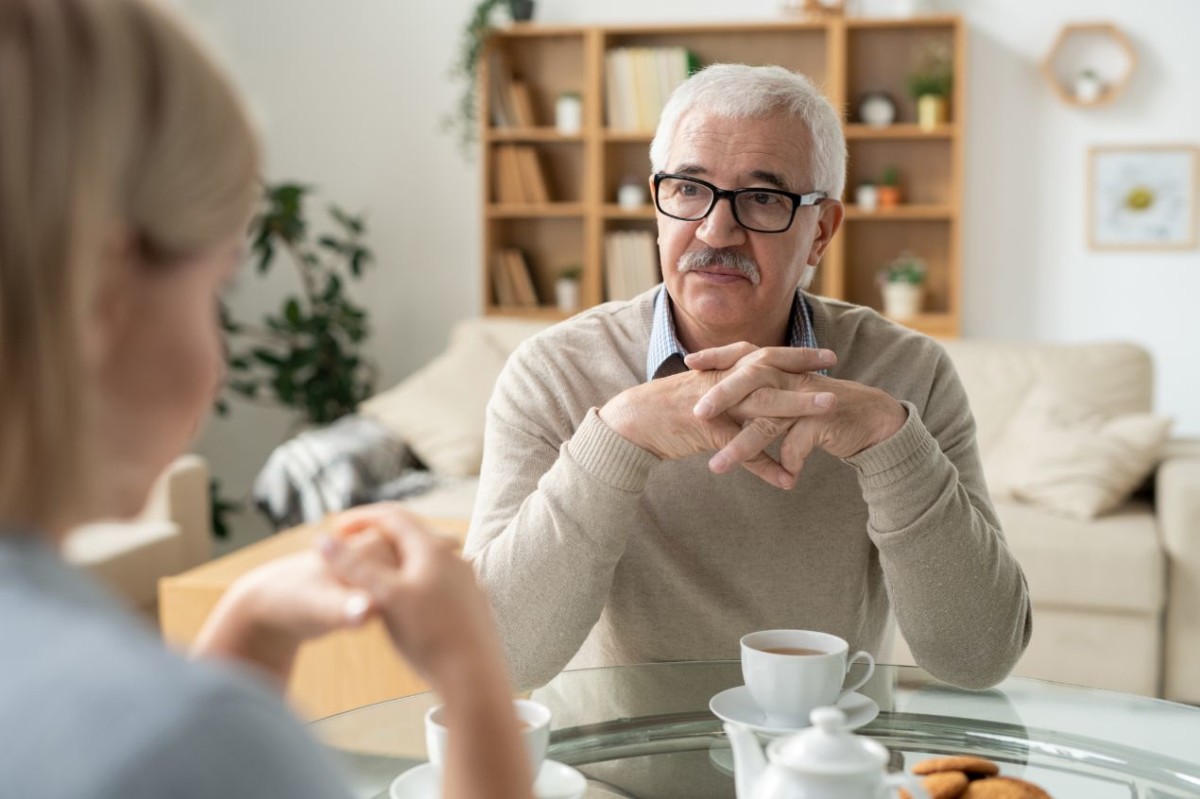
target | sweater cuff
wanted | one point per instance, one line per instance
(897, 457)
(609, 457)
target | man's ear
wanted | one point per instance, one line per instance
(828, 223)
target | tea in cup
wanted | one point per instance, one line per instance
(789, 673)
(533, 719)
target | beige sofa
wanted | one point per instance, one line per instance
(1116, 599)
(170, 536)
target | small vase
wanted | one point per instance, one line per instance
(931, 111)
(522, 10)
(566, 294)
(568, 113)
(888, 196)
(1088, 89)
(866, 197)
(902, 300)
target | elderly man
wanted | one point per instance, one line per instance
(841, 478)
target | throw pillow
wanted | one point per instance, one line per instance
(440, 409)
(1065, 456)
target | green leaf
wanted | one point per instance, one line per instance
(267, 357)
(292, 313)
(330, 243)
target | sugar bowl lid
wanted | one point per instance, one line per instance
(828, 747)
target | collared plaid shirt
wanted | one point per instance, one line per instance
(665, 355)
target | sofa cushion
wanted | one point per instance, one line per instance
(439, 410)
(1068, 457)
(1117, 378)
(1111, 563)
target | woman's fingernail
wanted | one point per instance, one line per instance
(827, 357)
(356, 607)
(718, 463)
(785, 482)
(703, 408)
(823, 400)
(327, 545)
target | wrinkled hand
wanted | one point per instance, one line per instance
(425, 593)
(777, 390)
(658, 417)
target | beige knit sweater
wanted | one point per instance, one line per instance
(595, 552)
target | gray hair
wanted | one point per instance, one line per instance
(738, 91)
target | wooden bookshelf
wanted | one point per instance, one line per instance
(845, 56)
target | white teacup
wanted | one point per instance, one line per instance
(789, 673)
(535, 728)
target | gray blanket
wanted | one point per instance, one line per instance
(351, 462)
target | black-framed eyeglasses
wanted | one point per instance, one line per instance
(760, 210)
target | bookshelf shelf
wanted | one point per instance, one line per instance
(535, 210)
(901, 212)
(576, 221)
(617, 212)
(531, 135)
(901, 131)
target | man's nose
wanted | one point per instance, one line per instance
(719, 229)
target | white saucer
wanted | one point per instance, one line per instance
(554, 781)
(736, 705)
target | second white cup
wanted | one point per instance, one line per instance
(535, 729)
(789, 673)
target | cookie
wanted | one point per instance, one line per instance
(973, 767)
(942, 785)
(1003, 788)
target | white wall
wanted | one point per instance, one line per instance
(351, 94)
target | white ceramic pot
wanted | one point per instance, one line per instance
(1088, 89)
(902, 300)
(568, 114)
(866, 197)
(566, 294)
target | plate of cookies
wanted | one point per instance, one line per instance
(969, 777)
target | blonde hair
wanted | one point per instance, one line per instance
(114, 119)
(738, 91)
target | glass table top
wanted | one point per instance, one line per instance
(646, 732)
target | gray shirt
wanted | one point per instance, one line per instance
(93, 706)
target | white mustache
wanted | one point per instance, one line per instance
(726, 259)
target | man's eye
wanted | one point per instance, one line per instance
(689, 190)
(764, 198)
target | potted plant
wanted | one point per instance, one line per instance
(930, 83)
(1088, 86)
(307, 355)
(566, 289)
(466, 67)
(902, 284)
(888, 190)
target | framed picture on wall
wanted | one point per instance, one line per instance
(1142, 198)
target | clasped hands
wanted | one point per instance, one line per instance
(373, 561)
(739, 398)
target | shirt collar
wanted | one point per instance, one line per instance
(665, 354)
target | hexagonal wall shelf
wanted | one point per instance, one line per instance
(1090, 63)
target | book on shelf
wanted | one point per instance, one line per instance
(533, 179)
(499, 94)
(506, 175)
(639, 82)
(502, 282)
(630, 263)
(518, 175)
(521, 103)
(524, 293)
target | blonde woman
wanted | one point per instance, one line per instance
(127, 177)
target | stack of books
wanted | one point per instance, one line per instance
(512, 279)
(639, 81)
(510, 100)
(517, 175)
(630, 263)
